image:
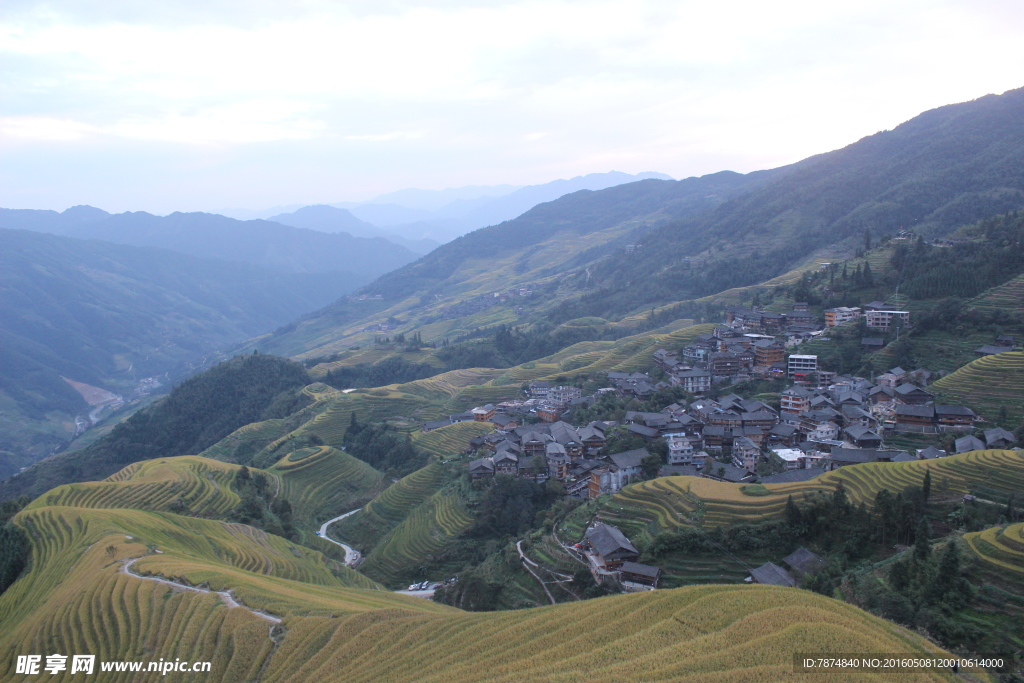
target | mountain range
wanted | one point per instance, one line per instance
(634, 247)
(204, 235)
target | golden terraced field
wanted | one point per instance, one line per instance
(670, 501)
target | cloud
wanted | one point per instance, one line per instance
(471, 92)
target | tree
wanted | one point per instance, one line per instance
(922, 541)
(650, 466)
(111, 551)
(867, 239)
(926, 487)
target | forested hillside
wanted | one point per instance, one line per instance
(198, 412)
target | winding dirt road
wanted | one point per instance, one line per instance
(226, 597)
(351, 554)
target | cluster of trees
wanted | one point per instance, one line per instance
(259, 508)
(512, 506)
(15, 549)
(842, 530)
(393, 370)
(926, 589)
(383, 448)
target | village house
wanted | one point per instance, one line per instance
(770, 574)
(840, 315)
(767, 353)
(969, 443)
(635, 576)
(539, 389)
(693, 381)
(999, 438)
(912, 395)
(802, 562)
(801, 367)
(609, 548)
(483, 413)
(745, 454)
(883, 320)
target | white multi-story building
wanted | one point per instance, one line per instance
(680, 449)
(800, 366)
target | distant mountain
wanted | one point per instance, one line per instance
(107, 314)
(412, 213)
(327, 218)
(258, 242)
(694, 238)
(432, 200)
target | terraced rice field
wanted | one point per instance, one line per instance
(449, 442)
(1002, 548)
(742, 633)
(75, 599)
(426, 530)
(201, 484)
(986, 384)
(365, 529)
(1008, 297)
(668, 502)
(325, 482)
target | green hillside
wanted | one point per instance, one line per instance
(379, 517)
(398, 557)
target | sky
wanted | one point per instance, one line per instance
(197, 104)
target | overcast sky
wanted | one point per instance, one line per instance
(193, 105)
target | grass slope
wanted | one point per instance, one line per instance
(987, 384)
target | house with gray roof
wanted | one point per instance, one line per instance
(999, 438)
(969, 443)
(770, 574)
(802, 562)
(610, 546)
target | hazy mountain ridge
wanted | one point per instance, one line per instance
(468, 213)
(259, 242)
(326, 218)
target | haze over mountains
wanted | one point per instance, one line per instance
(439, 215)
